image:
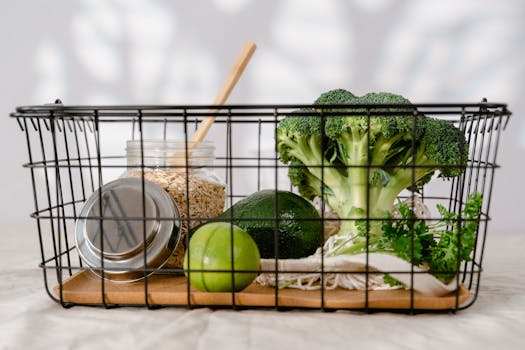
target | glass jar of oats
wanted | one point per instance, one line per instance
(186, 176)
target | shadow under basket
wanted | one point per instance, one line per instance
(75, 150)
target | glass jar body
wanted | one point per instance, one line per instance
(184, 173)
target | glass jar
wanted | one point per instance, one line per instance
(198, 192)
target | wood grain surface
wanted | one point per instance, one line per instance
(85, 288)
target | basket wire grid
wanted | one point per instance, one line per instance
(73, 150)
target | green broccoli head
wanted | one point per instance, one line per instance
(294, 132)
(446, 146)
(337, 122)
(362, 155)
(394, 121)
(336, 97)
(304, 122)
(384, 98)
(388, 125)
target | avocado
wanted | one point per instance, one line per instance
(298, 222)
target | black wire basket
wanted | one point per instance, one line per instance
(75, 150)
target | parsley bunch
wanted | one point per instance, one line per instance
(441, 246)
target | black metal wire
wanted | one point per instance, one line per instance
(323, 209)
(36, 206)
(58, 190)
(229, 152)
(100, 210)
(48, 196)
(80, 155)
(276, 222)
(187, 210)
(367, 210)
(143, 205)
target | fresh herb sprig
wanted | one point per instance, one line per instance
(411, 239)
(454, 232)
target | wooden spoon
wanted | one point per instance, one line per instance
(228, 85)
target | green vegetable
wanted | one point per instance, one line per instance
(210, 249)
(368, 160)
(457, 238)
(298, 222)
(359, 160)
(441, 246)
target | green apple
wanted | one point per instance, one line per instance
(210, 249)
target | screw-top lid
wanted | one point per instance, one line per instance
(113, 234)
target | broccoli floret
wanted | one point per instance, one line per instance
(303, 145)
(296, 134)
(369, 154)
(337, 96)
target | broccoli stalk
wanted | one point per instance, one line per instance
(300, 144)
(359, 159)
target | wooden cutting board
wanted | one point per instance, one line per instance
(85, 288)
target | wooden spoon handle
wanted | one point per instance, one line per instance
(227, 87)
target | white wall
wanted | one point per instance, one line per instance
(178, 52)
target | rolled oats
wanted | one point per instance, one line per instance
(197, 198)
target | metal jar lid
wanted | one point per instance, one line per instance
(113, 234)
